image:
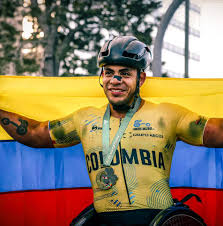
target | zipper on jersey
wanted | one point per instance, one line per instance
(121, 157)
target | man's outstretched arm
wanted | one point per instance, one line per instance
(26, 131)
(213, 133)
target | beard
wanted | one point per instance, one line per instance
(121, 108)
(125, 105)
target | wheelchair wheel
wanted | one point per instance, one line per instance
(84, 217)
(177, 217)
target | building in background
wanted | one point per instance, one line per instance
(174, 40)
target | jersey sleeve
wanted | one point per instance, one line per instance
(190, 127)
(65, 132)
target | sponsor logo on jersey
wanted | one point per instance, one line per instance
(95, 128)
(147, 135)
(140, 125)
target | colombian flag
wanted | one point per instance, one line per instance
(49, 187)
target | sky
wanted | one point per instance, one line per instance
(211, 56)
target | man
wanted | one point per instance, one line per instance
(128, 145)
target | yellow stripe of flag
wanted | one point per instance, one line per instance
(46, 98)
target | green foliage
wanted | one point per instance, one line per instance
(7, 35)
(26, 65)
(117, 17)
(74, 31)
(7, 8)
(10, 40)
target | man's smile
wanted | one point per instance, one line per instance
(117, 91)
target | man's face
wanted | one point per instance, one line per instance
(119, 90)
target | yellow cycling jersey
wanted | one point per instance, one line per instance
(139, 173)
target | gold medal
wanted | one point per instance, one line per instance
(106, 178)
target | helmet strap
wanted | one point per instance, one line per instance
(100, 77)
(136, 95)
(137, 83)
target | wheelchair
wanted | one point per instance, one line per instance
(179, 214)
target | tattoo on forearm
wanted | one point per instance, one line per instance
(20, 129)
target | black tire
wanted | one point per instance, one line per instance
(84, 217)
(177, 216)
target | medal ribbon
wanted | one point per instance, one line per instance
(109, 150)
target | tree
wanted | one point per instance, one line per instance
(12, 58)
(74, 31)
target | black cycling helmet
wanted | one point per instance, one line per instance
(126, 51)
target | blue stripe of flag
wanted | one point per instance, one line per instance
(198, 167)
(25, 168)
